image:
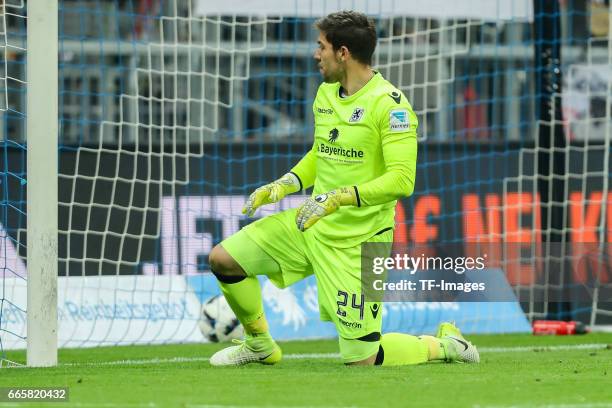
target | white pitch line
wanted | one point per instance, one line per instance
(522, 349)
(263, 406)
(140, 362)
(574, 405)
(83, 404)
(485, 350)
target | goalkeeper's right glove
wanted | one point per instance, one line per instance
(272, 193)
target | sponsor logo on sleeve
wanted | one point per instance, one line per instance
(398, 120)
(325, 111)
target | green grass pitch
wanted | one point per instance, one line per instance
(516, 371)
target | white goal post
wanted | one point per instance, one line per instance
(42, 165)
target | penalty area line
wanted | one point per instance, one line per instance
(315, 356)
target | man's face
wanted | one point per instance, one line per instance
(329, 62)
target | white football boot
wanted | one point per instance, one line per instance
(457, 348)
(241, 354)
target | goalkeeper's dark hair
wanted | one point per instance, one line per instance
(351, 29)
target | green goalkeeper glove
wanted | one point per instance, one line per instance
(272, 193)
(315, 208)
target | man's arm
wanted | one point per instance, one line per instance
(398, 181)
(306, 169)
(398, 135)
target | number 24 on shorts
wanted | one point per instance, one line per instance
(343, 301)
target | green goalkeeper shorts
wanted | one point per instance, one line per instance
(293, 255)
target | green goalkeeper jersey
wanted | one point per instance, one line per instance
(367, 140)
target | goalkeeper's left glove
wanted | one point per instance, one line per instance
(315, 208)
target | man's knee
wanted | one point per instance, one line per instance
(366, 362)
(222, 264)
(354, 350)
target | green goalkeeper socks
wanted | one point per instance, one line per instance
(404, 349)
(244, 298)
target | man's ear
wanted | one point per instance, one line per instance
(344, 53)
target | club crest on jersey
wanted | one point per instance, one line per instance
(333, 135)
(357, 115)
(398, 120)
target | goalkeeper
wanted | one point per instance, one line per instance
(362, 160)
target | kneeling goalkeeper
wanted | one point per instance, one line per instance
(362, 161)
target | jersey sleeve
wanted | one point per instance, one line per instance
(306, 169)
(398, 132)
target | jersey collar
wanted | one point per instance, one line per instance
(364, 89)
